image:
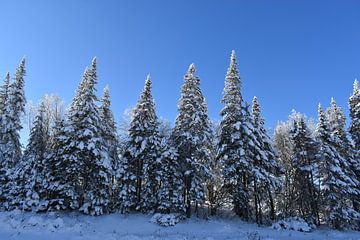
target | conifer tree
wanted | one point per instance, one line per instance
(111, 139)
(305, 160)
(11, 119)
(29, 174)
(192, 139)
(4, 93)
(335, 184)
(170, 194)
(91, 149)
(81, 167)
(235, 150)
(354, 105)
(337, 126)
(10, 147)
(266, 169)
(143, 154)
(107, 118)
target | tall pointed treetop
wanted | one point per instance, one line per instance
(256, 110)
(148, 83)
(191, 69)
(7, 78)
(232, 72)
(106, 96)
(4, 92)
(356, 87)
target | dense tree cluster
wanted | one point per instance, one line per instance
(77, 160)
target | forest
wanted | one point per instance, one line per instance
(77, 161)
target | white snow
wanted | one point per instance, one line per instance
(59, 226)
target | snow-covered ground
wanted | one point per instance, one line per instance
(18, 225)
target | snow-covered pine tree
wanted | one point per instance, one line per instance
(337, 126)
(334, 182)
(64, 182)
(354, 105)
(144, 127)
(192, 137)
(62, 172)
(11, 120)
(170, 194)
(80, 165)
(91, 147)
(305, 161)
(10, 147)
(29, 174)
(4, 92)
(235, 151)
(110, 136)
(266, 169)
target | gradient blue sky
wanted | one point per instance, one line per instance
(291, 54)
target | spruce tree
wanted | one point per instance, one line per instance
(170, 194)
(266, 169)
(337, 126)
(10, 147)
(334, 182)
(235, 150)
(11, 119)
(305, 161)
(29, 174)
(192, 139)
(91, 147)
(111, 139)
(354, 105)
(62, 171)
(143, 155)
(4, 93)
(81, 166)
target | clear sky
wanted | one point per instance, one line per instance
(291, 54)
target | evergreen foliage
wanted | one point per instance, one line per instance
(192, 138)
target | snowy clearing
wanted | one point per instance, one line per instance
(18, 225)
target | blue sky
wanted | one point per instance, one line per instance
(291, 54)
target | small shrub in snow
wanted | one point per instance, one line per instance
(296, 224)
(165, 220)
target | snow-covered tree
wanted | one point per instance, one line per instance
(286, 152)
(305, 161)
(80, 162)
(266, 169)
(170, 193)
(142, 157)
(110, 136)
(192, 139)
(107, 118)
(4, 93)
(29, 174)
(354, 105)
(236, 142)
(90, 147)
(337, 126)
(335, 184)
(10, 122)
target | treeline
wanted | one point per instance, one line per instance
(76, 161)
